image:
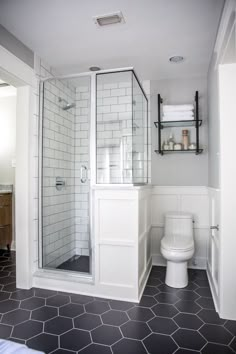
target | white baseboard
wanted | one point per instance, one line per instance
(213, 289)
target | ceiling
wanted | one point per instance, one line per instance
(63, 33)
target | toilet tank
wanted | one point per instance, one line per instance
(179, 224)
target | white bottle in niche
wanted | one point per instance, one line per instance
(171, 142)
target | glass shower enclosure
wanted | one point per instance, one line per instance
(93, 130)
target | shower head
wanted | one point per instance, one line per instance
(67, 104)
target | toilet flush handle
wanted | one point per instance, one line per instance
(216, 227)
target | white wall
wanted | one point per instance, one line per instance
(180, 169)
(7, 139)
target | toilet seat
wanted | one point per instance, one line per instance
(177, 243)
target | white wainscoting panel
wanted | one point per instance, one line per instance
(194, 200)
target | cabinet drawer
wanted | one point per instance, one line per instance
(5, 215)
(5, 199)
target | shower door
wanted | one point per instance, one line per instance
(65, 174)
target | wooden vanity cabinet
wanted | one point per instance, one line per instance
(6, 219)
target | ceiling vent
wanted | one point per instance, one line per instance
(109, 19)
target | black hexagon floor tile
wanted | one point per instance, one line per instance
(147, 301)
(8, 305)
(162, 325)
(128, 346)
(187, 306)
(167, 298)
(22, 294)
(233, 345)
(57, 300)
(140, 314)
(58, 325)
(165, 310)
(114, 318)
(96, 349)
(32, 303)
(189, 339)
(212, 348)
(75, 340)
(16, 316)
(231, 326)
(118, 327)
(44, 293)
(81, 299)
(216, 334)
(43, 342)
(5, 331)
(71, 310)
(44, 313)
(150, 291)
(97, 307)
(188, 321)
(120, 305)
(211, 317)
(107, 335)
(206, 303)
(135, 330)
(87, 321)
(163, 342)
(27, 329)
(187, 295)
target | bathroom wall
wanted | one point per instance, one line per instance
(180, 169)
(58, 161)
(7, 138)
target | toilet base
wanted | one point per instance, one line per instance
(176, 274)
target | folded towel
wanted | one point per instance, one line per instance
(179, 114)
(178, 108)
(167, 118)
(9, 347)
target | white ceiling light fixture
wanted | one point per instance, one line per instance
(109, 19)
(176, 59)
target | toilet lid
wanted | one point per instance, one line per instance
(177, 242)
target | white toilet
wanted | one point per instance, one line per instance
(177, 247)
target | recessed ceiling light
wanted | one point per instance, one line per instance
(109, 19)
(94, 68)
(176, 59)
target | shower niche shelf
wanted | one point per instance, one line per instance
(160, 125)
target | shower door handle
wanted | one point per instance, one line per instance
(83, 174)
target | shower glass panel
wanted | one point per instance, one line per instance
(121, 129)
(65, 174)
(139, 134)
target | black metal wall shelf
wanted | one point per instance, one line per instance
(181, 123)
(197, 152)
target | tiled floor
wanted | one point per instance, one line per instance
(166, 320)
(76, 264)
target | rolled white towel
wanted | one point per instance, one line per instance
(167, 118)
(178, 108)
(179, 114)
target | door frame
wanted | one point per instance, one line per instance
(18, 74)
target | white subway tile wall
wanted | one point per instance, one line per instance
(58, 162)
(121, 130)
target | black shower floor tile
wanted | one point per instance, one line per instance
(166, 321)
(77, 264)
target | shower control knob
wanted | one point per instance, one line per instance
(216, 227)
